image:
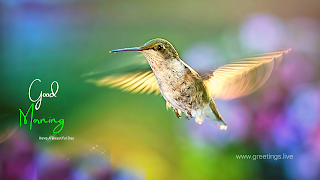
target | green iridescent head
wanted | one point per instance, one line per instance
(160, 45)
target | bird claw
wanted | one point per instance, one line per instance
(188, 115)
(177, 112)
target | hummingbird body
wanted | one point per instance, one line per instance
(184, 89)
(180, 85)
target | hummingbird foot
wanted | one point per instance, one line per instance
(177, 112)
(188, 115)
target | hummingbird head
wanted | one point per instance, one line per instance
(154, 49)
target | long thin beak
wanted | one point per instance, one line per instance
(126, 49)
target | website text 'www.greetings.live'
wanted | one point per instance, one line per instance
(254, 157)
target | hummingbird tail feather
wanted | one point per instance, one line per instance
(208, 113)
(212, 113)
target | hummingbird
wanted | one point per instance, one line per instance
(186, 90)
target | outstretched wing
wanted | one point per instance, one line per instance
(134, 75)
(242, 77)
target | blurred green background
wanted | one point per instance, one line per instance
(60, 40)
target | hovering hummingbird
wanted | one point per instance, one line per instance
(183, 88)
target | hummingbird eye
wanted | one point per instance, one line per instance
(160, 47)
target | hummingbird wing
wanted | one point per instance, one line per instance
(132, 74)
(242, 77)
